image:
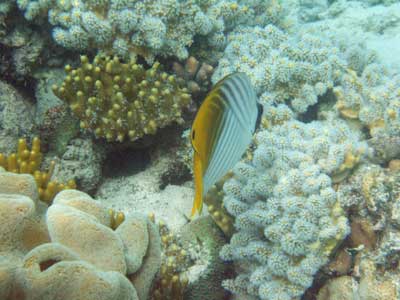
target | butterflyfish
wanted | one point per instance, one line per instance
(222, 130)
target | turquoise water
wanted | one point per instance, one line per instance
(97, 99)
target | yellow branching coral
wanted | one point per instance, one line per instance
(214, 201)
(119, 100)
(28, 161)
(116, 218)
(172, 280)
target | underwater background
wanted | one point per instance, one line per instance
(97, 98)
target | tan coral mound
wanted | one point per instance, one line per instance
(69, 250)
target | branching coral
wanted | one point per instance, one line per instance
(172, 280)
(119, 100)
(214, 201)
(116, 218)
(372, 98)
(27, 161)
(287, 216)
(299, 69)
(196, 75)
(148, 28)
(282, 67)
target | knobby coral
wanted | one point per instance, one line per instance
(172, 281)
(28, 161)
(282, 67)
(147, 28)
(372, 98)
(287, 215)
(119, 100)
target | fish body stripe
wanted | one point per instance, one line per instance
(236, 94)
(228, 151)
(235, 130)
(224, 127)
(241, 98)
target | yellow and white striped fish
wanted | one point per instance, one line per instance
(222, 131)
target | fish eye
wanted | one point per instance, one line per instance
(193, 134)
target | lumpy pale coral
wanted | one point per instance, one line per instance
(72, 252)
(287, 215)
(147, 28)
(372, 98)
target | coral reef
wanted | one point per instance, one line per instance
(203, 240)
(214, 202)
(375, 26)
(367, 191)
(57, 128)
(196, 75)
(386, 148)
(371, 197)
(69, 249)
(23, 222)
(145, 191)
(147, 28)
(16, 117)
(5, 7)
(116, 218)
(300, 68)
(372, 98)
(313, 209)
(312, 10)
(81, 160)
(119, 100)
(24, 47)
(338, 288)
(44, 96)
(297, 68)
(171, 281)
(144, 277)
(29, 162)
(191, 268)
(371, 285)
(287, 215)
(185, 152)
(56, 124)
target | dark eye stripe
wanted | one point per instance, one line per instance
(193, 134)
